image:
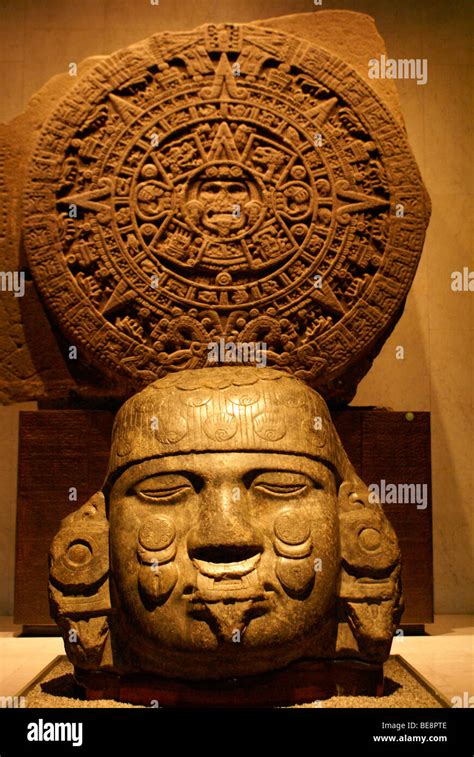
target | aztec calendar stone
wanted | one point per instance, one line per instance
(231, 183)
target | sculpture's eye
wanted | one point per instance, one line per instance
(212, 188)
(234, 189)
(282, 483)
(165, 488)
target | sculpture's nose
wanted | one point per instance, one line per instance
(224, 533)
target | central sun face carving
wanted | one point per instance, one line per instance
(225, 201)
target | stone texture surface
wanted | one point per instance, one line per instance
(236, 526)
(141, 293)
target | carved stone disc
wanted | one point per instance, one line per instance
(231, 182)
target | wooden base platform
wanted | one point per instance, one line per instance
(302, 682)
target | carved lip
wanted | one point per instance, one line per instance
(229, 582)
(208, 595)
(210, 599)
(221, 571)
(214, 219)
(224, 213)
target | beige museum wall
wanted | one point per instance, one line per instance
(40, 38)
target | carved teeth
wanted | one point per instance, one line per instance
(234, 588)
(226, 570)
(228, 582)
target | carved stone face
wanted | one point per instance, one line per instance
(231, 537)
(218, 557)
(225, 199)
(222, 203)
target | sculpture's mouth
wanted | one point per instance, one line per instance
(228, 582)
(226, 218)
(228, 596)
(221, 214)
(230, 570)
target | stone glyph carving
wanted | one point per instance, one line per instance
(231, 537)
(232, 182)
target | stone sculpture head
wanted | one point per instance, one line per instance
(231, 536)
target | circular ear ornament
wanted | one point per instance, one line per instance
(79, 553)
(79, 559)
(368, 542)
